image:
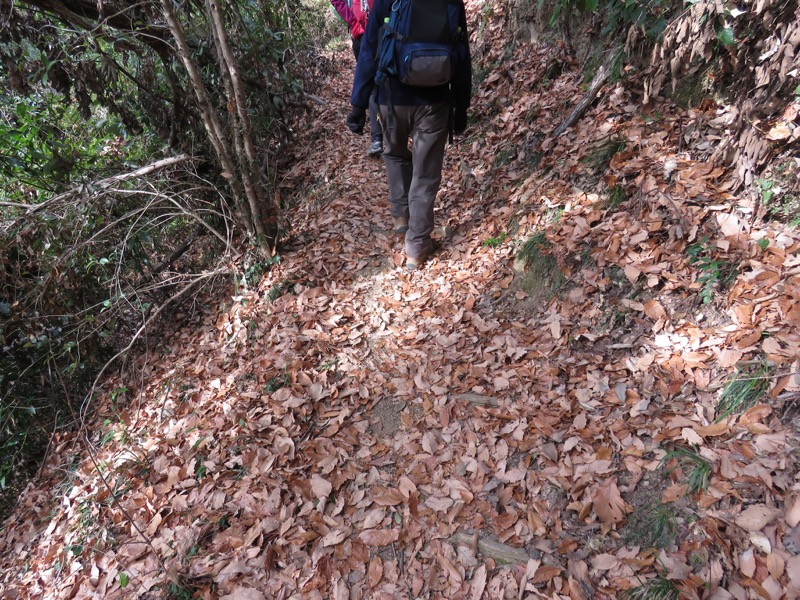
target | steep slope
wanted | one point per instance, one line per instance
(349, 429)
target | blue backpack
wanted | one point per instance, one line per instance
(418, 42)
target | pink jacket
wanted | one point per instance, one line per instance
(346, 12)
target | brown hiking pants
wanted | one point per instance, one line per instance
(415, 174)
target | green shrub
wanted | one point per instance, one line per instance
(86, 267)
(600, 157)
(615, 196)
(619, 15)
(780, 205)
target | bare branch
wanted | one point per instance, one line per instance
(102, 183)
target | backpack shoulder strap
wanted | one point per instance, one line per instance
(387, 40)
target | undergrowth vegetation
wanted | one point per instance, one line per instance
(715, 274)
(656, 588)
(340, 426)
(653, 525)
(113, 208)
(696, 469)
(744, 389)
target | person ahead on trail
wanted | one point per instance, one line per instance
(356, 14)
(432, 103)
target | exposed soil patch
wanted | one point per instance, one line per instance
(384, 417)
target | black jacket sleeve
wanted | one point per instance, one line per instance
(462, 78)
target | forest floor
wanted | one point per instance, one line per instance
(620, 415)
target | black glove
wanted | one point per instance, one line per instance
(459, 122)
(356, 120)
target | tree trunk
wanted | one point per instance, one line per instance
(238, 177)
(263, 211)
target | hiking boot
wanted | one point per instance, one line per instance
(414, 263)
(375, 148)
(400, 224)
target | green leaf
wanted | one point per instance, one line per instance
(797, 91)
(726, 36)
(124, 579)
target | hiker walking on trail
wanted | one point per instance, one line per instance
(417, 52)
(356, 14)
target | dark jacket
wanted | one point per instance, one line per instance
(404, 95)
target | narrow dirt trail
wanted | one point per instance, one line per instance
(402, 349)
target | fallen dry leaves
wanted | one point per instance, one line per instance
(348, 429)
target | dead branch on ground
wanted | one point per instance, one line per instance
(599, 80)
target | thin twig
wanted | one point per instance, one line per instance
(47, 449)
(85, 406)
(142, 330)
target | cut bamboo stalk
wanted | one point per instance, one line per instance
(478, 399)
(502, 553)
